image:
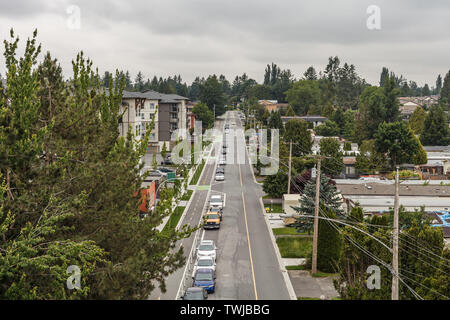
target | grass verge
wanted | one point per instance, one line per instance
(173, 220)
(287, 232)
(197, 173)
(294, 247)
(274, 208)
(187, 195)
(301, 267)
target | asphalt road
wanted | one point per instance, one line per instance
(247, 267)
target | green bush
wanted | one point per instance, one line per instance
(329, 244)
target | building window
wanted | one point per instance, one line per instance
(152, 136)
(152, 106)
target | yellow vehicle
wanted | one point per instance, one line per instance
(213, 220)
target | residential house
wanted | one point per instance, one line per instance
(315, 120)
(272, 105)
(438, 163)
(378, 197)
(407, 109)
(349, 168)
(424, 101)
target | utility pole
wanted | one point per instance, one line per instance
(290, 160)
(214, 112)
(395, 241)
(316, 219)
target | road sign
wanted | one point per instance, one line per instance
(171, 176)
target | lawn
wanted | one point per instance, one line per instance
(197, 173)
(286, 231)
(320, 274)
(174, 218)
(187, 195)
(294, 247)
(274, 208)
(295, 267)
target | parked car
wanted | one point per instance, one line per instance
(205, 263)
(213, 220)
(216, 210)
(222, 161)
(165, 170)
(220, 170)
(207, 248)
(167, 160)
(216, 201)
(205, 278)
(220, 176)
(195, 293)
(156, 173)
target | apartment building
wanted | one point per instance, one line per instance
(139, 109)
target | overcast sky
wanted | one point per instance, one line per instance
(202, 37)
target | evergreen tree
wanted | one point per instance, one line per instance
(139, 82)
(290, 112)
(332, 164)
(329, 198)
(445, 93)
(34, 254)
(426, 90)
(276, 185)
(71, 188)
(327, 129)
(435, 131)
(310, 74)
(296, 130)
(417, 120)
(384, 76)
(397, 142)
(211, 93)
(391, 93)
(438, 84)
(328, 243)
(275, 122)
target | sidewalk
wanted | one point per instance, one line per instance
(306, 286)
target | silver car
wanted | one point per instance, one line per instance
(220, 176)
(207, 248)
(204, 262)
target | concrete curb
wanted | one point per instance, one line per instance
(283, 270)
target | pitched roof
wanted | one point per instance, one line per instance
(349, 160)
(306, 118)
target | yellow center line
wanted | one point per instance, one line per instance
(248, 237)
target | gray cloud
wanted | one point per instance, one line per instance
(201, 37)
